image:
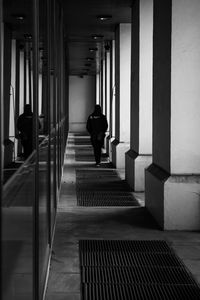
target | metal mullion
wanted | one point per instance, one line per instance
(57, 93)
(59, 90)
(54, 106)
(1, 135)
(36, 148)
(49, 112)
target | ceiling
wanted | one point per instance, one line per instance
(80, 25)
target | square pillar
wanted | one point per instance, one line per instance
(97, 88)
(121, 143)
(173, 180)
(108, 103)
(103, 106)
(140, 154)
(112, 97)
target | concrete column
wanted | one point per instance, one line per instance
(104, 86)
(108, 84)
(121, 143)
(112, 97)
(101, 84)
(113, 89)
(173, 180)
(21, 82)
(97, 88)
(140, 154)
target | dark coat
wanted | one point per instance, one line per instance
(25, 126)
(97, 123)
(96, 126)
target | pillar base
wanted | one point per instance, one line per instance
(110, 148)
(107, 143)
(173, 200)
(135, 169)
(118, 153)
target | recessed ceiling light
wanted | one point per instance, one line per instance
(93, 49)
(97, 36)
(104, 17)
(18, 17)
(28, 36)
(89, 58)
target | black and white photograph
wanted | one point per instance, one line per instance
(100, 150)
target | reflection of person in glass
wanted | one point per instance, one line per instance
(96, 126)
(25, 127)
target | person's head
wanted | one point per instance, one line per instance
(97, 109)
(27, 109)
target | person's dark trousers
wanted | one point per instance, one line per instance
(97, 151)
(97, 145)
(28, 147)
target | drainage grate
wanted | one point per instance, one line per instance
(142, 270)
(87, 198)
(94, 174)
(151, 246)
(84, 158)
(129, 259)
(102, 188)
(136, 275)
(93, 291)
(84, 142)
(87, 157)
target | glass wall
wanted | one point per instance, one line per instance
(17, 233)
(32, 72)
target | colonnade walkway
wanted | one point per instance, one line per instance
(97, 211)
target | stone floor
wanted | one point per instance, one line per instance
(75, 223)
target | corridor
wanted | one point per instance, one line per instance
(125, 219)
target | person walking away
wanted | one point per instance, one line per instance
(96, 126)
(25, 127)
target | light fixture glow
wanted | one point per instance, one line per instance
(97, 36)
(104, 17)
(93, 49)
(28, 36)
(89, 58)
(18, 17)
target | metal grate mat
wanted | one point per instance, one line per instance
(139, 292)
(141, 270)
